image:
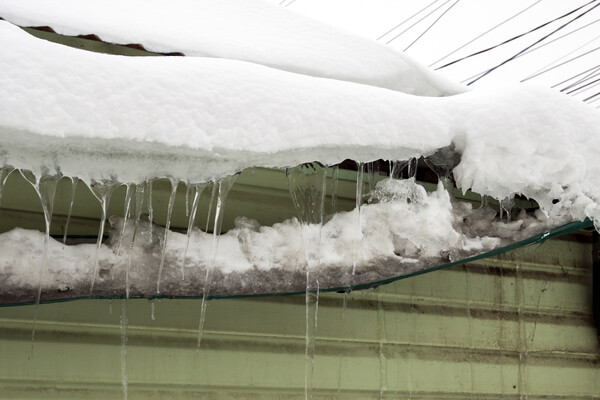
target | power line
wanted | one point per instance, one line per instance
(530, 46)
(584, 86)
(566, 55)
(431, 26)
(410, 27)
(561, 64)
(591, 97)
(408, 19)
(575, 76)
(515, 37)
(485, 33)
(582, 80)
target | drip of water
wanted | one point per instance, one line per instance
(311, 315)
(103, 192)
(307, 188)
(45, 188)
(470, 329)
(139, 202)
(224, 186)
(124, 326)
(126, 207)
(152, 309)
(523, 378)
(199, 188)
(382, 336)
(110, 306)
(74, 182)
(167, 226)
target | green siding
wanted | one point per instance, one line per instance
(450, 334)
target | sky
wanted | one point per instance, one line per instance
(465, 20)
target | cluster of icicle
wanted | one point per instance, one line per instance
(307, 186)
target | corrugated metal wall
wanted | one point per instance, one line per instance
(518, 324)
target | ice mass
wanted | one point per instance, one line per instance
(107, 121)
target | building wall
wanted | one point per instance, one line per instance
(518, 324)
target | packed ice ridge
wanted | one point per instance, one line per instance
(253, 259)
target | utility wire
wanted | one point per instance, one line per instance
(515, 37)
(575, 76)
(561, 64)
(566, 55)
(530, 46)
(585, 78)
(408, 19)
(431, 26)
(591, 97)
(539, 47)
(410, 27)
(485, 33)
(584, 86)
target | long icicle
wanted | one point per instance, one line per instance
(199, 188)
(124, 325)
(359, 190)
(224, 186)
(174, 183)
(307, 185)
(126, 209)
(103, 192)
(139, 202)
(74, 182)
(45, 187)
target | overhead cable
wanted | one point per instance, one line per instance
(408, 19)
(410, 27)
(530, 46)
(431, 26)
(485, 33)
(515, 37)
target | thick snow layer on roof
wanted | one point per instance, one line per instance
(249, 30)
(98, 117)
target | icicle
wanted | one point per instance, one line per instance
(124, 326)
(4, 173)
(210, 205)
(167, 226)
(139, 201)
(413, 163)
(188, 191)
(46, 190)
(372, 169)
(382, 336)
(150, 210)
(126, 207)
(199, 189)
(152, 309)
(335, 174)
(224, 186)
(74, 182)
(396, 170)
(103, 192)
(307, 188)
